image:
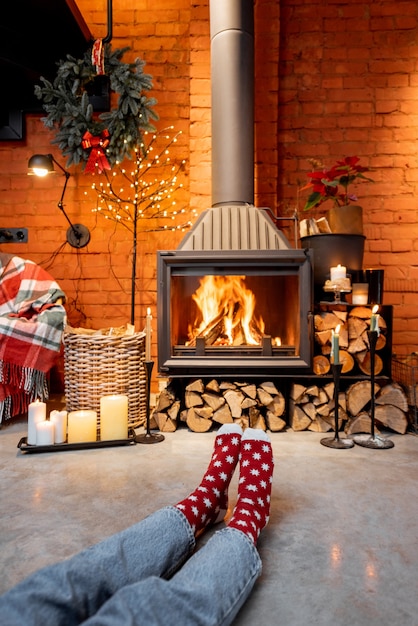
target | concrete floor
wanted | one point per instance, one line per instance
(341, 547)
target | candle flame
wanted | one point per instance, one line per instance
(375, 309)
(149, 311)
(337, 330)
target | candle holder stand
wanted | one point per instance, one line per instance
(148, 436)
(337, 291)
(372, 440)
(336, 442)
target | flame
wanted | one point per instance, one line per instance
(225, 302)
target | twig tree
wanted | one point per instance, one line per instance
(146, 202)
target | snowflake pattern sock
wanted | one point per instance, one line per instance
(251, 512)
(209, 501)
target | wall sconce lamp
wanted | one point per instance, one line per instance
(78, 235)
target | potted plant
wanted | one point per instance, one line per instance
(345, 215)
(343, 242)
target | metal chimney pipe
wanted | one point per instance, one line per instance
(232, 70)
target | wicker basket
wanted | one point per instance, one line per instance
(97, 365)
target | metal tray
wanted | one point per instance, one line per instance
(24, 446)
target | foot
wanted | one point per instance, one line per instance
(252, 510)
(209, 501)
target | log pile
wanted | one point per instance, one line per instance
(312, 408)
(354, 341)
(206, 404)
(203, 405)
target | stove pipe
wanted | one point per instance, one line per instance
(232, 71)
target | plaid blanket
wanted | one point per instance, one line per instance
(31, 327)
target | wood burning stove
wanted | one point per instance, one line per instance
(234, 299)
(236, 313)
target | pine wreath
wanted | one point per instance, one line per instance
(71, 114)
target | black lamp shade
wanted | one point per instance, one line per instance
(40, 163)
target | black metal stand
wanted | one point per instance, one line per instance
(148, 436)
(372, 440)
(336, 442)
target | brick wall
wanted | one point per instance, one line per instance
(348, 84)
(333, 78)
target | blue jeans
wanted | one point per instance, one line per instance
(142, 575)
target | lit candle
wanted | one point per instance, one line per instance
(360, 294)
(82, 426)
(59, 419)
(148, 335)
(36, 413)
(44, 433)
(113, 417)
(335, 345)
(336, 273)
(374, 320)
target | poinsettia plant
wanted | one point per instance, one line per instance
(332, 184)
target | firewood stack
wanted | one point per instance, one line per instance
(213, 403)
(207, 404)
(354, 341)
(312, 408)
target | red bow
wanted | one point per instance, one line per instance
(97, 158)
(97, 56)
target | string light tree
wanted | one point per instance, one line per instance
(141, 199)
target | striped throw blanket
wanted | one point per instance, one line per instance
(32, 322)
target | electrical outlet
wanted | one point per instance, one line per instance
(13, 235)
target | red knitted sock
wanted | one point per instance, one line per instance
(251, 512)
(209, 501)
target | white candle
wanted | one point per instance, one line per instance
(82, 426)
(335, 345)
(36, 413)
(374, 320)
(113, 417)
(44, 433)
(338, 272)
(360, 293)
(148, 335)
(59, 419)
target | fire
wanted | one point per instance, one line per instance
(226, 309)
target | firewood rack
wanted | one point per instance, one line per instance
(405, 373)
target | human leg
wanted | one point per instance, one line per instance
(212, 586)
(68, 592)
(71, 591)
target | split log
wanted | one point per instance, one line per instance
(321, 365)
(274, 422)
(297, 391)
(223, 415)
(278, 405)
(165, 423)
(213, 400)
(269, 387)
(197, 424)
(364, 363)
(347, 361)
(297, 418)
(196, 385)
(361, 423)
(392, 417)
(234, 399)
(319, 425)
(192, 398)
(393, 394)
(358, 395)
(264, 397)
